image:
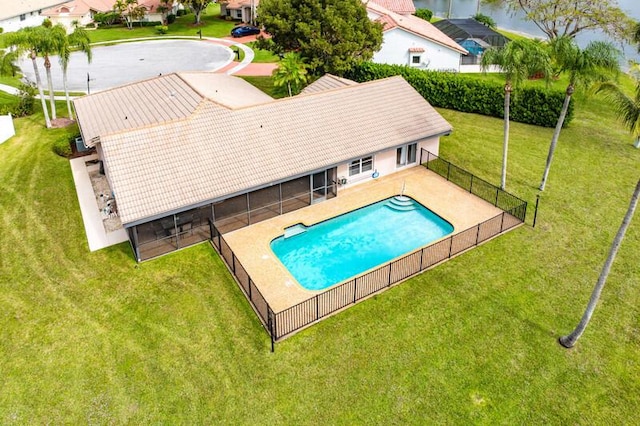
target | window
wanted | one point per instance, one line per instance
(415, 59)
(360, 165)
(23, 17)
(406, 154)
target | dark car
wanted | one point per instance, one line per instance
(244, 30)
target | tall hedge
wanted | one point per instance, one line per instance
(531, 105)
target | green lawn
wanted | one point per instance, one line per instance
(96, 338)
(212, 26)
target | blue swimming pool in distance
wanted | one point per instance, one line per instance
(342, 247)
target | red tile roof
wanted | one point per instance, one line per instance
(402, 7)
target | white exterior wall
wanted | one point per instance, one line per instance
(385, 163)
(67, 21)
(6, 128)
(32, 19)
(395, 50)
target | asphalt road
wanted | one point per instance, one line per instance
(124, 63)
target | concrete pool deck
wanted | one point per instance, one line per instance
(251, 245)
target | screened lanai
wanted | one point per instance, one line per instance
(188, 227)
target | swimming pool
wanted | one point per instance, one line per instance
(332, 251)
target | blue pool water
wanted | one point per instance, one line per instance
(342, 247)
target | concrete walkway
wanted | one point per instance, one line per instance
(97, 237)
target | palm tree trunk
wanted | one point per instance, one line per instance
(289, 87)
(36, 71)
(52, 101)
(571, 339)
(66, 91)
(556, 135)
(449, 11)
(505, 144)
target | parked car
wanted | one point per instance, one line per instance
(244, 30)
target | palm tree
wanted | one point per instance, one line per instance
(628, 108)
(54, 41)
(569, 340)
(598, 61)
(78, 39)
(7, 63)
(292, 72)
(30, 39)
(517, 60)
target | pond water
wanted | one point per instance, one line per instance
(516, 22)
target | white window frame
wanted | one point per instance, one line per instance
(407, 154)
(361, 165)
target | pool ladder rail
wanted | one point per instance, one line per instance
(401, 203)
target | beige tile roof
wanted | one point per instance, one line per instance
(230, 92)
(159, 100)
(13, 8)
(327, 82)
(403, 7)
(413, 24)
(148, 102)
(219, 151)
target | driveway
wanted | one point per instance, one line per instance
(124, 63)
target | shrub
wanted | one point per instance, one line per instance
(162, 29)
(107, 19)
(485, 20)
(47, 23)
(90, 25)
(425, 14)
(62, 147)
(531, 105)
(181, 12)
(171, 18)
(25, 104)
(148, 23)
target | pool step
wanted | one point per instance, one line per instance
(294, 230)
(401, 203)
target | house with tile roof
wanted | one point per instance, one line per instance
(17, 14)
(83, 11)
(242, 10)
(189, 151)
(409, 40)
(401, 7)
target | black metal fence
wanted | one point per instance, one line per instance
(305, 313)
(481, 188)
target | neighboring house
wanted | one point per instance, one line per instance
(83, 11)
(409, 40)
(185, 150)
(80, 11)
(151, 10)
(16, 14)
(401, 7)
(243, 10)
(473, 36)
